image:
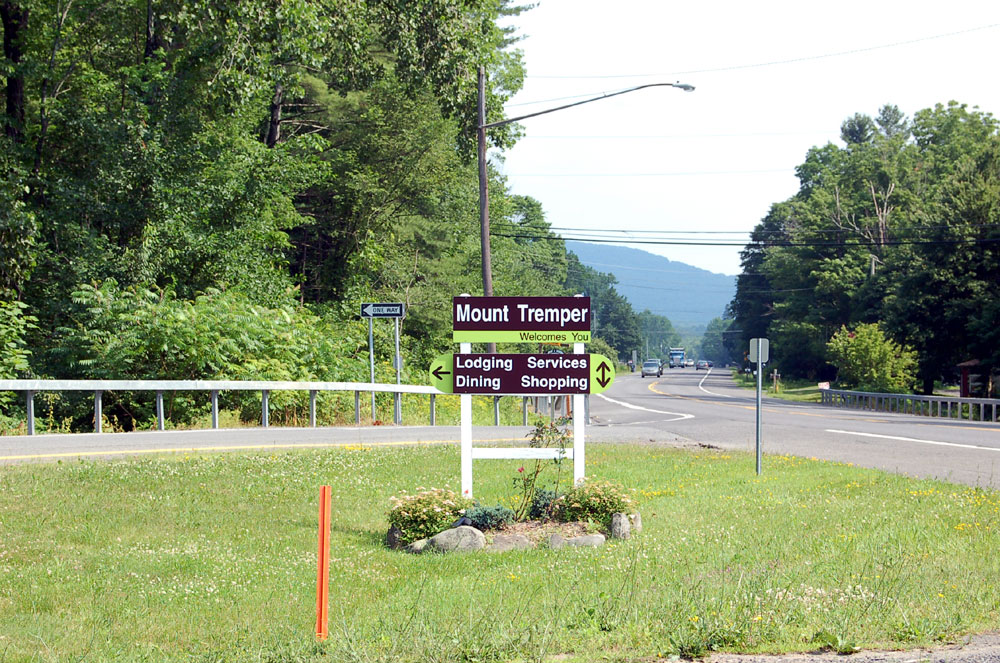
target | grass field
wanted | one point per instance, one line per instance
(213, 558)
(789, 390)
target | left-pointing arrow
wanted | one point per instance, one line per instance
(439, 372)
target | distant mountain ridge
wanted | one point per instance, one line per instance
(689, 296)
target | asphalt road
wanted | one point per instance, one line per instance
(684, 407)
(707, 407)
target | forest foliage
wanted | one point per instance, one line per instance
(898, 227)
(209, 189)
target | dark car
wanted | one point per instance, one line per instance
(702, 364)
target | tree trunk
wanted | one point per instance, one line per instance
(15, 23)
(274, 125)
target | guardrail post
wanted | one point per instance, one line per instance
(496, 410)
(159, 410)
(30, 406)
(357, 408)
(312, 406)
(264, 408)
(433, 410)
(97, 411)
(215, 408)
(524, 410)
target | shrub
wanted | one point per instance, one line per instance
(426, 513)
(542, 504)
(593, 500)
(489, 517)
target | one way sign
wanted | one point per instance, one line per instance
(382, 310)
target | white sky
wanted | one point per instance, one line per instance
(715, 159)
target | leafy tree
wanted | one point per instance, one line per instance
(713, 346)
(870, 361)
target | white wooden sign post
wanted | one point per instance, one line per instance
(525, 320)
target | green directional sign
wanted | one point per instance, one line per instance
(498, 374)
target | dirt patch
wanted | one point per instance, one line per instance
(538, 531)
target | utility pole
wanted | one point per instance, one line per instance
(484, 195)
(484, 202)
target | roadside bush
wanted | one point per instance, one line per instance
(489, 517)
(542, 504)
(594, 501)
(426, 513)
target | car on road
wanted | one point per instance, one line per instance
(702, 364)
(652, 367)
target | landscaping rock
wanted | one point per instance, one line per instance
(458, 539)
(621, 528)
(556, 541)
(394, 538)
(417, 547)
(636, 523)
(588, 541)
(505, 542)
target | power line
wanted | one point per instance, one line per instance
(665, 242)
(773, 63)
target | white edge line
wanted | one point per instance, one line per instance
(711, 393)
(678, 415)
(913, 439)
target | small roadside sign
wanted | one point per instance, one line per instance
(512, 374)
(372, 310)
(763, 350)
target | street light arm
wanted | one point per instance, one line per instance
(681, 86)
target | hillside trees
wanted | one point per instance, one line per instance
(897, 226)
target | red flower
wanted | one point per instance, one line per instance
(520, 469)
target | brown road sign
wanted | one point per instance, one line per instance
(522, 373)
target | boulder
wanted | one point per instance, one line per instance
(457, 539)
(556, 541)
(394, 538)
(621, 528)
(636, 523)
(417, 547)
(587, 541)
(505, 542)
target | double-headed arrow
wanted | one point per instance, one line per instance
(603, 369)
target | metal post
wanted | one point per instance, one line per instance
(371, 363)
(312, 407)
(759, 371)
(524, 410)
(97, 411)
(552, 408)
(31, 412)
(215, 408)
(264, 419)
(398, 414)
(433, 411)
(357, 408)
(496, 410)
(159, 410)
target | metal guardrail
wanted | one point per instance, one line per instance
(931, 406)
(30, 387)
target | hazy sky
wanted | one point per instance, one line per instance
(773, 79)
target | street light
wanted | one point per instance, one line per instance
(482, 126)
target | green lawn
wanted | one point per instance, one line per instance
(789, 390)
(213, 558)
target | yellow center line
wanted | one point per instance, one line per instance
(244, 447)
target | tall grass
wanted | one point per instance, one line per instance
(212, 558)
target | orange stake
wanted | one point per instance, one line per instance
(323, 570)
